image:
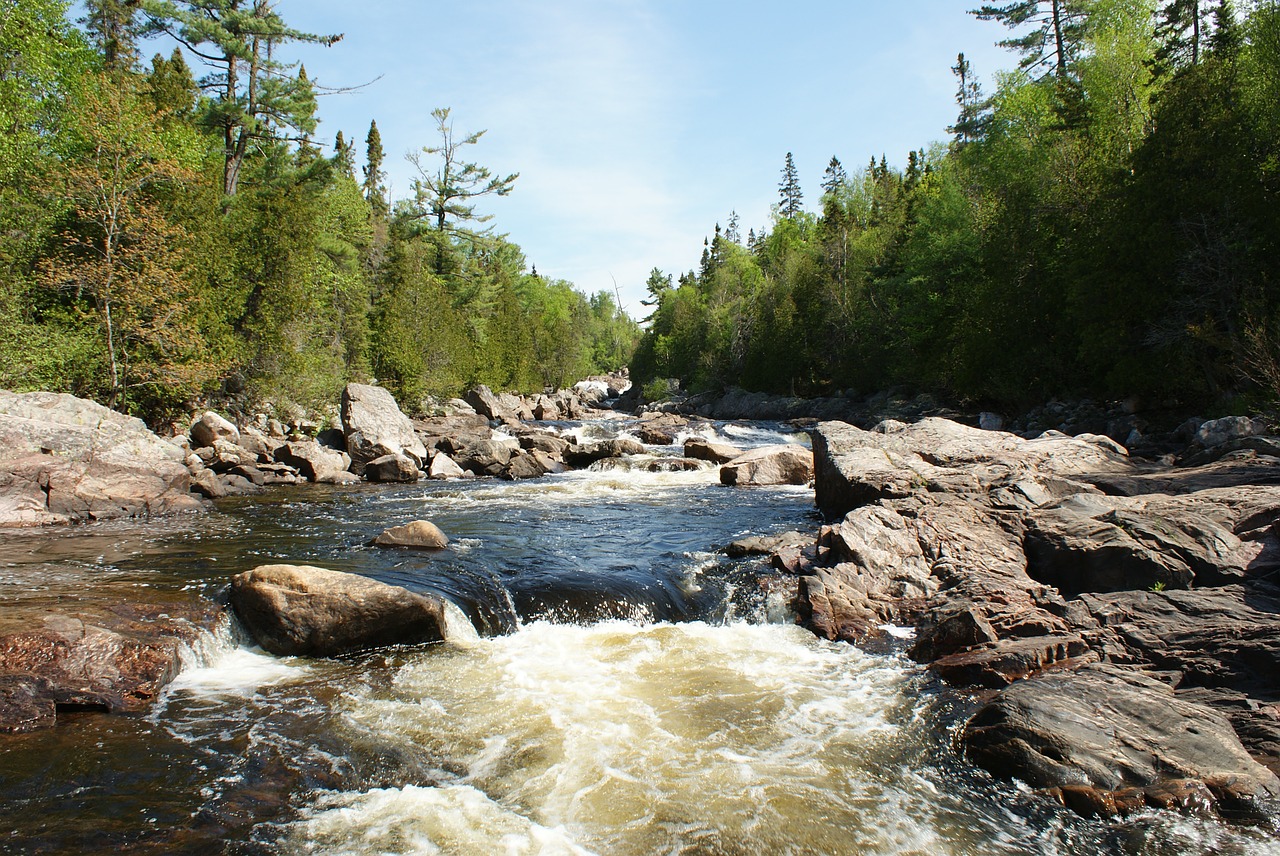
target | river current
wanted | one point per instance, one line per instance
(613, 685)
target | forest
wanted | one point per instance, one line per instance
(167, 238)
(1105, 223)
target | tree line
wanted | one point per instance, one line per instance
(166, 237)
(1105, 223)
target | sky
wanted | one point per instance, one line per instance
(637, 125)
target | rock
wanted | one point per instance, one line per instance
(585, 455)
(444, 467)
(210, 427)
(989, 421)
(64, 459)
(548, 443)
(702, 449)
(375, 427)
(769, 465)
(313, 461)
(206, 483)
(764, 545)
(298, 610)
(487, 404)
(392, 468)
(419, 534)
(258, 444)
(117, 661)
(1109, 727)
(1218, 431)
(1118, 550)
(483, 457)
(660, 429)
(855, 467)
(227, 456)
(523, 465)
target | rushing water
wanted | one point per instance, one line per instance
(613, 685)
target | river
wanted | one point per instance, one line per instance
(613, 685)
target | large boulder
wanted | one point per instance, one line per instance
(588, 453)
(64, 459)
(488, 404)
(375, 427)
(702, 449)
(299, 610)
(785, 463)
(392, 468)
(1110, 728)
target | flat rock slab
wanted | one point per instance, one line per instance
(64, 459)
(300, 610)
(1110, 727)
(785, 463)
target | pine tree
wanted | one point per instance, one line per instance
(1054, 40)
(971, 123)
(789, 189)
(731, 232)
(375, 193)
(343, 156)
(1227, 39)
(114, 29)
(835, 177)
(1180, 31)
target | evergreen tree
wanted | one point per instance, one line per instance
(731, 233)
(1055, 37)
(114, 30)
(1227, 38)
(258, 95)
(1180, 31)
(343, 155)
(789, 190)
(444, 193)
(374, 190)
(172, 88)
(971, 122)
(834, 178)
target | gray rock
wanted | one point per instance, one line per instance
(523, 465)
(1218, 431)
(392, 468)
(210, 427)
(375, 427)
(585, 455)
(313, 461)
(487, 404)
(769, 465)
(64, 459)
(702, 449)
(444, 467)
(299, 610)
(1110, 727)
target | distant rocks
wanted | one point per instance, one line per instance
(299, 610)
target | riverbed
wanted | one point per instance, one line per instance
(613, 685)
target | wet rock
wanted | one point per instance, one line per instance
(392, 468)
(548, 443)
(523, 465)
(764, 545)
(418, 534)
(64, 459)
(769, 465)
(314, 462)
(999, 662)
(375, 427)
(484, 457)
(587, 454)
(660, 429)
(702, 449)
(1110, 727)
(299, 610)
(210, 427)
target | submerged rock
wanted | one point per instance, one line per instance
(299, 610)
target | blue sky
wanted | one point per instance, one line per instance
(637, 125)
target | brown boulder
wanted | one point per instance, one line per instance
(419, 534)
(298, 610)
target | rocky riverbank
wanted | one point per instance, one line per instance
(1118, 620)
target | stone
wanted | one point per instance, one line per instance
(764, 545)
(419, 534)
(1218, 431)
(444, 467)
(300, 610)
(210, 427)
(375, 427)
(487, 404)
(548, 443)
(1110, 727)
(769, 465)
(64, 459)
(523, 465)
(587, 454)
(228, 455)
(313, 461)
(392, 468)
(660, 429)
(702, 449)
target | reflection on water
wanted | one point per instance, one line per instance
(619, 689)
